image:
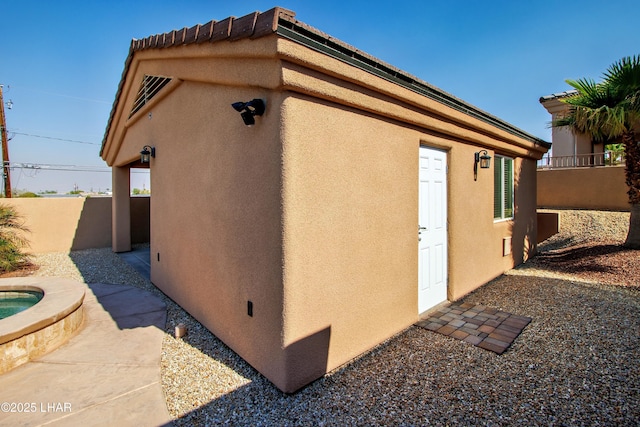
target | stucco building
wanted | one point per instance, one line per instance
(571, 149)
(582, 173)
(348, 208)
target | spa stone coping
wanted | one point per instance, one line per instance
(61, 298)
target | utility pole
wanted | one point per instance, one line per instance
(5, 149)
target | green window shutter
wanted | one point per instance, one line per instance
(502, 188)
(508, 188)
(497, 188)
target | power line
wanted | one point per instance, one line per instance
(66, 168)
(57, 139)
(99, 101)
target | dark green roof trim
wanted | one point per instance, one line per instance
(345, 53)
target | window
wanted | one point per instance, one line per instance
(150, 86)
(503, 188)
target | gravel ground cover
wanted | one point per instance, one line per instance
(576, 363)
(589, 247)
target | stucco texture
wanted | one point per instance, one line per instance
(597, 188)
(216, 221)
(72, 223)
(350, 216)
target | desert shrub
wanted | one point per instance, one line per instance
(12, 240)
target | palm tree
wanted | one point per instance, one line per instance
(608, 111)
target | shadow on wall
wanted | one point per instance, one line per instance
(548, 225)
(91, 231)
(523, 229)
(94, 223)
(526, 235)
(536, 228)
(306, 359)
(74, 223)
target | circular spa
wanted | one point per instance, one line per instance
(37, 315)
(13, 302)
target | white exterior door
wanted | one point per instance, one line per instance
(432, 229)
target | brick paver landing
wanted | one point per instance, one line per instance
(482, 326)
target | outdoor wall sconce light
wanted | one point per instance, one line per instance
(146, 154)
(248, 110)
(484, 160)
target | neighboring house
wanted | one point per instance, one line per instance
(346, 211)
(578, 174)
(569, 149)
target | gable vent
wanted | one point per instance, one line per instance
(150, 86)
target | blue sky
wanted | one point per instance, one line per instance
(62, 60)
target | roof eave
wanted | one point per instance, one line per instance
(282, 21)
(312, 38)
(253, 25)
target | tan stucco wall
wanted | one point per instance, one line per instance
(350, 217)
(216, 232)
(65, 224)
(599, 188)
(312, 213)
(231, 65)
(216, 215)
(350, 237)
(476, 241)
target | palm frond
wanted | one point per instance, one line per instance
(564, 120)
(593, 95)
(602, 123)
(624, 75)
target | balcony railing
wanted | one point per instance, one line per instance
(608, 158)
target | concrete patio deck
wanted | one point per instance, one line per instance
(107, 374)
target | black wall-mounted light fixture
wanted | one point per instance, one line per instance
(248, 110)
(483, 159)
(146, 154)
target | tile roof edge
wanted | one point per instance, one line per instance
(282, 21)
(559, 95)
(318, 40)
(253, 25)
